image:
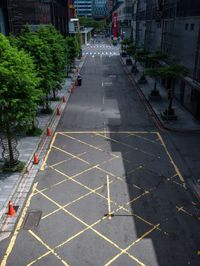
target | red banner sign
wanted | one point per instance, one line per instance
(115, 25)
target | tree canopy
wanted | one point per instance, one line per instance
(98, 25)
(19, 87)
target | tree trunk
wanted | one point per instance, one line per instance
(155, 85)
(10, 149)
(171, 96)
(54, 94)
(47, 102)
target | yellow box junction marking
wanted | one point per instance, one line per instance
(171, 160)
(47, 155)
(95, 191)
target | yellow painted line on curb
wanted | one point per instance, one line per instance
(171, 160)
(108, 196)
(18, 227)
(47, 247)
(47, 155)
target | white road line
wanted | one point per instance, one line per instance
(102, 84)
(103, 99)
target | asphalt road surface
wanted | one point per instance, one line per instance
(110, 192)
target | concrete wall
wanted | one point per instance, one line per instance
(185, 41)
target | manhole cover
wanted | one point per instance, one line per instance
(32, 219)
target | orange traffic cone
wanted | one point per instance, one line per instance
(58, 111)
(64, 99)
(35, 159)
(48, 132)
(11, 210)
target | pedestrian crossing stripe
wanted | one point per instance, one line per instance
(101, 53)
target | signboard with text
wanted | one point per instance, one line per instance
(115, 25)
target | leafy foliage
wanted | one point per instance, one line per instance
(41, 53)
(98, 25)
(73, 48)
(19, 87)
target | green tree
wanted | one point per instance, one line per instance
(152, 59)
(55, 43)
(73, 48)
(98, 25)
(19, 92)
(155, 73)
(171, 73)
(38, 48)
(125, 43)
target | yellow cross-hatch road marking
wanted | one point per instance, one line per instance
(136, 241)
(91, 191)
(94, 230)
(83, 142)
(47, 155)
(47, 247)
(171, 160)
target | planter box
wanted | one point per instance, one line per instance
(123, 54)
(168, 117)
(142, 81)
(154, 97)
(129, 62)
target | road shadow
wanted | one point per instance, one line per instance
(165, 218)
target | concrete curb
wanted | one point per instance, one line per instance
(186, 130)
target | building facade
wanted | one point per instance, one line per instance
(3, 17)
(173, 26)
(124, 19)
(83, 8)
(14, 14)
(100, 9)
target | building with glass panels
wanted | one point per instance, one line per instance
(83, 8)
(100, 8)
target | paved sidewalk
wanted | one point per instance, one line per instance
(16, 186)
(185, 120)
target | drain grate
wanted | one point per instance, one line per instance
(32, 219)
